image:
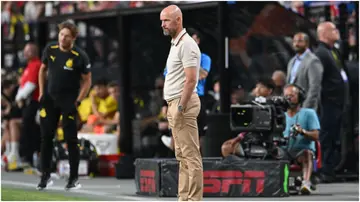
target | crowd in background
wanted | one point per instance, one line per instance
(98, 113)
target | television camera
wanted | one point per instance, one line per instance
(264, 121)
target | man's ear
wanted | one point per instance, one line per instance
(178, 19)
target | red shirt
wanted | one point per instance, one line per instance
(31, 74)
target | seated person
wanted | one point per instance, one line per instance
(264, 88)
(301, 146)
(104, 107)
(111, 125)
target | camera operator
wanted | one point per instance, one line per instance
(302, 128)
(264, 88)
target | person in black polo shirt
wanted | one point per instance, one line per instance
(68, 81)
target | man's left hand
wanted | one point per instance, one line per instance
(178, 118)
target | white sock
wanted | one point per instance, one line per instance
(7, 148)
(15, 148)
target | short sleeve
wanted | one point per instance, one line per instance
(86, 65)
(165, 72)
(205, 62)
(313, 120)
(190, 56)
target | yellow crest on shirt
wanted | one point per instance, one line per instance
(42, 113)
(69, 63)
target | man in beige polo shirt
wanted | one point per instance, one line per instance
(183, 66)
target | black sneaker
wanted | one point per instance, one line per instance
(44, 182)
(73, 184)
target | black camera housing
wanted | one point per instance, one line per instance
(266, 117)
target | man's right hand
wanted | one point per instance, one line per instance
(40, 96)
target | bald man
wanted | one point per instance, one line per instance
(27, 96)
(183, 66)
(279, 79)
(334, 94)
(305, 70)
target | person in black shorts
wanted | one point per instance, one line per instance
(68, 81)
(11, 116)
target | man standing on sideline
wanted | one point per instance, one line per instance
(305, 70)
(183, 66)
(68, 81)
(205, 66)
(334, 95)
(27, 96)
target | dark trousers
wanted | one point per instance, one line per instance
(201, 119)
(51, 109)
(30, 132)
(330, 120)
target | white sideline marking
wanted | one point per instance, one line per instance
(82, 191)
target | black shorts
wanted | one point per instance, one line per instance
(15, 113)
(295, 153)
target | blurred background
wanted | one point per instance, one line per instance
(260, 43)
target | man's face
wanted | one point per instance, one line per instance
(237, 96)
(278, 80)
(114, 92)
(291, 93)
(65, 38)
(217, 87)
(332, 33)
(299, 44)
(168, 24)
(196, 38)
(100, 91)
(28, 54)
(262, 90)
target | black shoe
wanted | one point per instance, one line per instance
(72, 184)
(44, 182)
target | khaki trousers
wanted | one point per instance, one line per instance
(187, 148)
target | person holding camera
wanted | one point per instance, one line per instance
(302, 129)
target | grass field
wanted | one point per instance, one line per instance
(17, 194)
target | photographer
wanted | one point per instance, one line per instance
(302, 128)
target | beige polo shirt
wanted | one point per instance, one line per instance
(184, 53)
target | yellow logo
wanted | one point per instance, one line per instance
(69, 63)
(52, 58)
(42, 113)
(71, 117)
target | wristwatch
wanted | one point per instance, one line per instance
(180, 108)
(78, 103)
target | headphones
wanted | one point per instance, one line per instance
(301, 92)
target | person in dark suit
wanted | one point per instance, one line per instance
(305, 70)
(334, 93)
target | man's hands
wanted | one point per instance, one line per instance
(94, 106)
(178, 117)
(300, 130)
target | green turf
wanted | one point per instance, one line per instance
(15, 194)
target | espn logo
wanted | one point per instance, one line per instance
(221, 181)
